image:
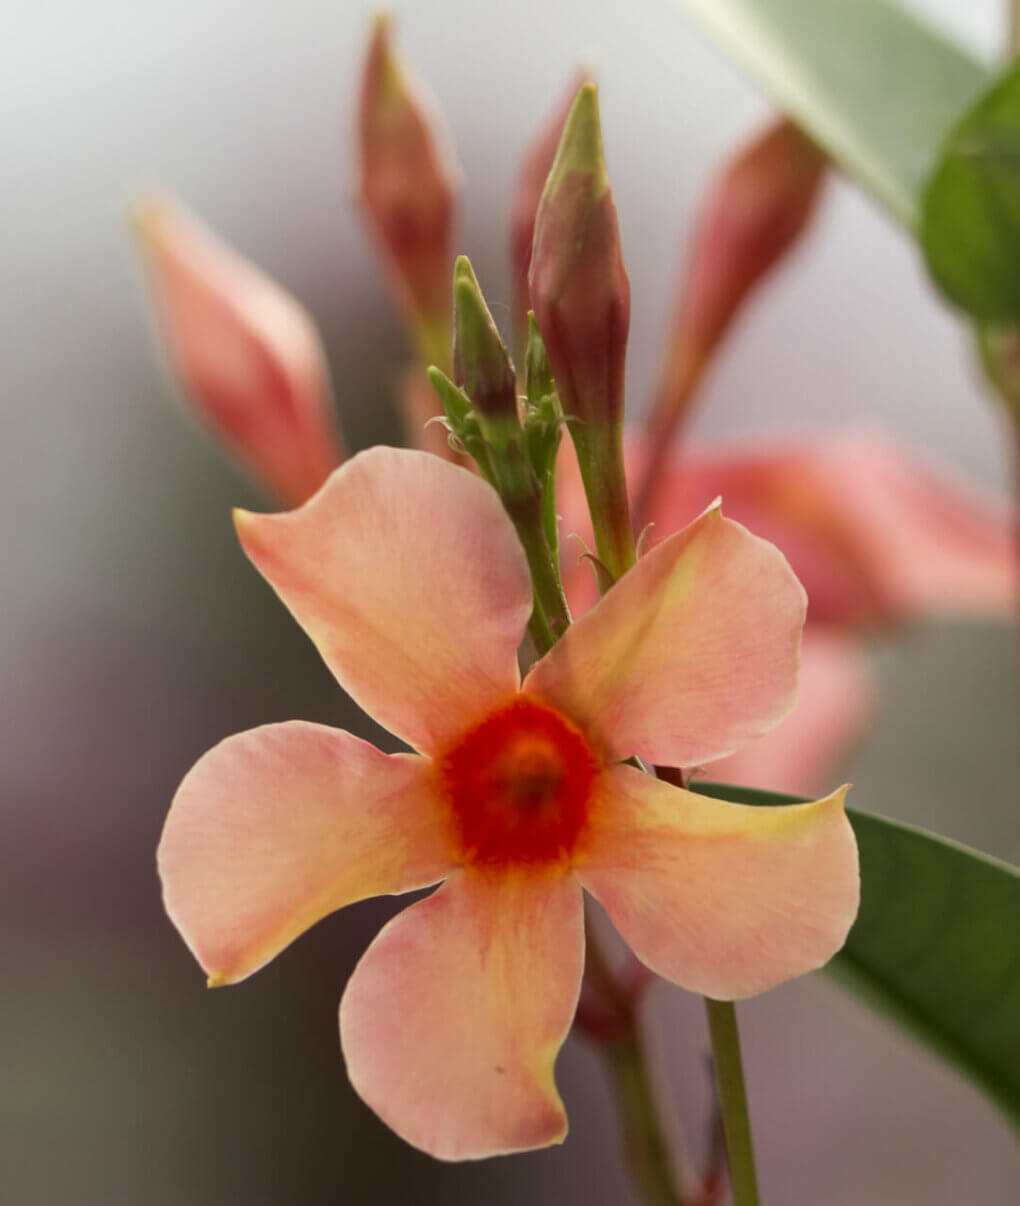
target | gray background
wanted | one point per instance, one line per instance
(134, 636)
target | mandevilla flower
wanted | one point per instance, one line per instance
(407, 573)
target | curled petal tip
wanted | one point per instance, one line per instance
(243, 520)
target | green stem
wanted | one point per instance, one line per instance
(647, 1150)
(729, 1075)
(542, 636)
(545, 573)
(600, 459)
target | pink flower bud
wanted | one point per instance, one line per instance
(246, 355)
(581, 300)
(753, 215)
(531, 178)
(406, 189)
(579, 287)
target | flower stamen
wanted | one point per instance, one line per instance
(519, 785)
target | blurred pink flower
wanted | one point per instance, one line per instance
(408, 575)
(247, 356)
(877, 536)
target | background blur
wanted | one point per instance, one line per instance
(134, 635)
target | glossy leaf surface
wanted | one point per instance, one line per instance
(878, 90)
(970, 228)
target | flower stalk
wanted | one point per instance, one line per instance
(729, 1073)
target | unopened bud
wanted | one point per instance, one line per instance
(579, 288)
(528, 188)
(247, 356)
(753, 215)
(406, 189)
(581, 300)
(416, 401)
(481, 364)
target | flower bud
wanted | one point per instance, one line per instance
(247, 356)
(581, 300)
(753, 215)
(579, 288)
(531, 178)
(416, 401)
(481, 365)
(406, 189)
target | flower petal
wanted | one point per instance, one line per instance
(836, 698)
(246, 354)
(407, 574)
(274, 828)
(452, 1020)
(875, 533)
(692, 653)
(724, 899)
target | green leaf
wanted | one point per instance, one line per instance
(875, 88)
(970, 226)
(936, 944)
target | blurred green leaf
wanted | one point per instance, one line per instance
(970, 225)
(874, 87)
(936, 944)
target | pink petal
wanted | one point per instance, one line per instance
(246, 354)
(876, 534)
(724, 899)
(691, 654)
(274, 828)
(836, 699)
(407, 574)
(453, 1018)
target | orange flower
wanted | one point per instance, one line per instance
(408, 575)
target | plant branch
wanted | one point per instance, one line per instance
(729, 1074)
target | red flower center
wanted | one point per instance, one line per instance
(519, 784)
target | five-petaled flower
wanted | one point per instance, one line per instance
(408, 576)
